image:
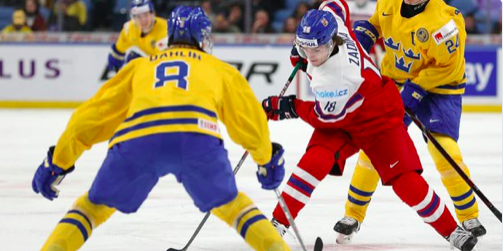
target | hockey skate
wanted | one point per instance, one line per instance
(475, 227)
(347, 228)
(462, 239)
(280, 228)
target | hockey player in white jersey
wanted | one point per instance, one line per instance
(425, 44)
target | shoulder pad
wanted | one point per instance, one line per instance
(126, 26)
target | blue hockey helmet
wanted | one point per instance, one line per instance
(317, 28)
(190, 25)
(141, 6)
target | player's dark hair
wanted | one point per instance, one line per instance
(338, 40)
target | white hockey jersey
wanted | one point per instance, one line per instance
(347, 84)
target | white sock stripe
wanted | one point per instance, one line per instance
(426, 201)
(306, 177)
(296, 194)
(435, 216)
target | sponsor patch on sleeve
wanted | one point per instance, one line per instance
(162, 44)
(446, 32)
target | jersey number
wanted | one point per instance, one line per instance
(451, 46)
(179, 72)
(330, 106)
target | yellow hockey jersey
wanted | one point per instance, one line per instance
(178, 90)
(153, 42)
(428, 48)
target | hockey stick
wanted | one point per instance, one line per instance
(318, 242)
(208, 213)
(288, 215)
(244, 156)
(455, 166)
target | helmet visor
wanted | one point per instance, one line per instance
(206, 44)
(316, 54)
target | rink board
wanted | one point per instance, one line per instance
(66, 74)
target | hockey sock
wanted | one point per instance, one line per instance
(76, 226)
(313, 167)
(251, 224)
(363, 184)
(414, 191)
(461, 194)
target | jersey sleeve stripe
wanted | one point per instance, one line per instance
(339, 8)
(117, 53)
(452, 87)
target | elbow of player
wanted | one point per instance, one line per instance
(366, 34)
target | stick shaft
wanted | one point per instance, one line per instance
(288, 215)
(455, 166)
(237, 168)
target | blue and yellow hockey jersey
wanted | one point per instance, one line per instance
(178, 90)
(427, 48)
(153, 42)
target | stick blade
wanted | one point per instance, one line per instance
(319, 245)
(173, 249)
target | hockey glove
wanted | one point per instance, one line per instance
(412, 94)
(366, 33)
(48, 176)
(280, 108)
(295, 58)
(272, 173)
(115, 59)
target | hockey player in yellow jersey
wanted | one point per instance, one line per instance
(425, 43)
(160, 116)
(144, 35)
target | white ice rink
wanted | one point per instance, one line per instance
(168, 218)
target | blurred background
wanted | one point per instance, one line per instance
(228, 16)
(53, 53)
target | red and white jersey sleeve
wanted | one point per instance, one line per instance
(339, 8)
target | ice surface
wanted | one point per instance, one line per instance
(168, 218)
